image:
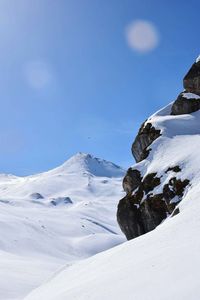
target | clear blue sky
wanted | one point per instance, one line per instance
(70, 81)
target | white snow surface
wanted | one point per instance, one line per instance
(55, 218)
(163, 264)
(190, 95)
(198, 59)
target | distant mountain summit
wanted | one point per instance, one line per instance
(77, 169)
(83, 162)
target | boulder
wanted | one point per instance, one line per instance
(146, 135)
(191, 81)
(61, 201)
(129, 218)
(131, 180)
(143, 210)
(36, 196)
(186, 103)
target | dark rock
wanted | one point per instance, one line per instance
(150, 182)
(185, 106)
(175, 212)
(36, 196)
(131, 180)
(137, 213)
(104, 181)
(191, 81)
(135, 220)
(153, 212)
(143, 210)
(61, 200)
(175, 169)
(129, 219)
(178, 186)
(146, 135)
(168, 192)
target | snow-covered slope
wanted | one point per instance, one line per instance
(160, 265)
(54, 218)
(164, 263)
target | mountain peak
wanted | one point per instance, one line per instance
(87, 163)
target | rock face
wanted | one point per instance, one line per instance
(142, 211)
(189, 101)
(152, 197)
(131, 181)
(146, 135)
(186, 103)
(191, 81)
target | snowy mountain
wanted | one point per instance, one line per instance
(55, 218)
(163, 189)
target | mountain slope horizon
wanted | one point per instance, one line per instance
(82, 158)
(56, 217)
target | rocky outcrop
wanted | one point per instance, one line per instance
(146, 135)
(36, 196)
(189, 101)
(144, 210)
(191, 81)
(186, 104)
(150, 199)
(131, 181)
(61, 201)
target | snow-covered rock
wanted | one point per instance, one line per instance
(53, 218)
(191, 80)
(162, 181)
(185, 103)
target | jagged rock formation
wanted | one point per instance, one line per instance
(146, 135)
(132, 180)
(191, 81)
(141, 211)
(186, 103)
(151, 195)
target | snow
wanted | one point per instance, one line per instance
(55, 218)
(163, 264)
(190, 96)
(198, 59)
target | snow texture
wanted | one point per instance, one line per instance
(198, 59)
(190, 96)
(55, 218)
(162, 264)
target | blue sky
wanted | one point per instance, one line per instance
(71, 81)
